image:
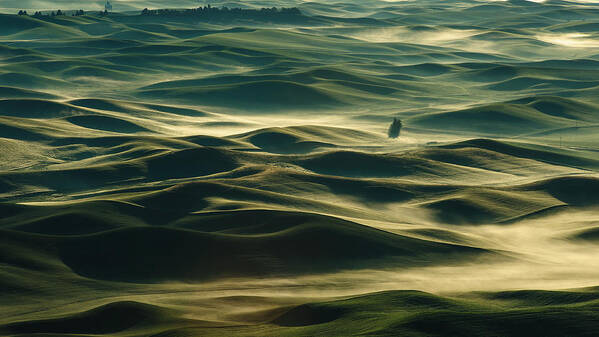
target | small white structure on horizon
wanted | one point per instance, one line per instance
(108, 6)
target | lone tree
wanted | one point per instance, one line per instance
(395, 128)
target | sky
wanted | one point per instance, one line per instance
(10, 6)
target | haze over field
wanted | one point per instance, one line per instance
(224, 173)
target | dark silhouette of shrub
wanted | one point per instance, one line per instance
(395, 128)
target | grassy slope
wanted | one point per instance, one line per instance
(392, 313)
(157, 164)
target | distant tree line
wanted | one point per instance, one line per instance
(206, 12)
(215, 12)
(54, 13)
